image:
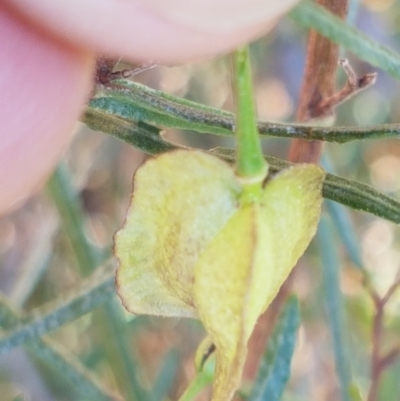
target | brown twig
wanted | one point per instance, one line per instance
(353, 86)
(389, 358)
(318, 84)
(379, 361)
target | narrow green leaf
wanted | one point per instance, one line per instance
(66, 198)
(66, 365)
(71, 369)
(92, 292)
(344, 134)
(166, 376)
(32, 272)
(10, 316)
(137, 134)
(126, 364)
(274, 370)
(314, 16)
(140, 104)
(361, 196)
(347, 192)
(116, 344)
(354, 194)
(342, 220)
(334, 305)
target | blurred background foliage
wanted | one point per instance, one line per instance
(43, 253)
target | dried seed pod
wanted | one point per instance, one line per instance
(194, 244)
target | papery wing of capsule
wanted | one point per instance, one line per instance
(243, 267)
(181, 200)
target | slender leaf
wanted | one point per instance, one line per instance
(135, 102)
(67, 366)
(116, 343)
(166, 376)
(36, 264)
(140, 104)
(316, 17)
(354, 194)
(361, 196)
(140, 135)
(71, 369)
(334, 304)
(128, 363)
(342, 190)
(274, 371)
(66, 197)
(92, 292)
(342, 220)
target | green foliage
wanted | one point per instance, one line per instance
(334, 305)
(315, 17)
(146, 105)
(274, 370)
(61, 361)
(92, 293)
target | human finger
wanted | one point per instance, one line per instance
(161, 31)
(44, 85)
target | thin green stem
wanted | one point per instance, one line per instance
(68, 204)
(202, 380)
(250, 160)
(334, 305)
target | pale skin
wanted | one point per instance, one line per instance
(47, 57)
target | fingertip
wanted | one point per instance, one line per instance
(44, 85)
(147, 31)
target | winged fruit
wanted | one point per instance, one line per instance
(198, 242)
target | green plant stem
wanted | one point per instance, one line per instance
(334, 305)
(201, 380)
(67, 200)
(250, 162)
